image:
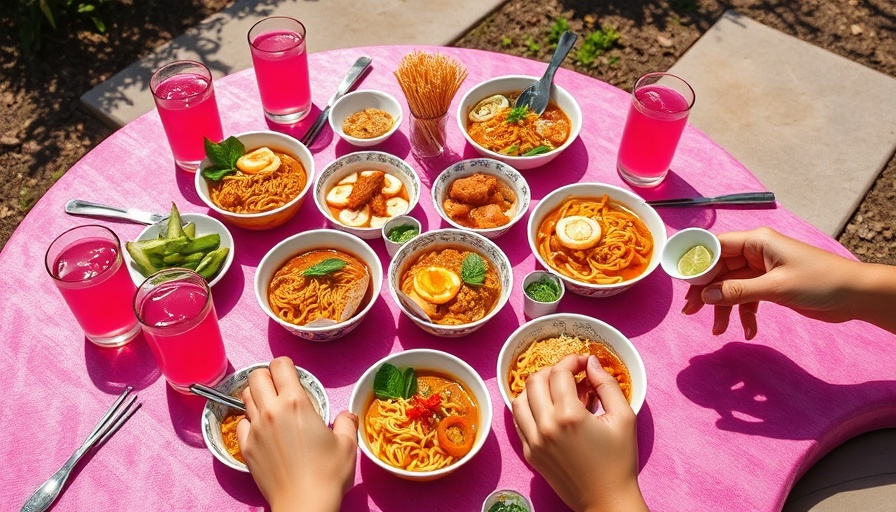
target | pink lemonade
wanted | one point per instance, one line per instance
(94, 281)
(189, 112)
(181, 327)
(281, 68)
(656, 119)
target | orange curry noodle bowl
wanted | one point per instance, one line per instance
(260, 192)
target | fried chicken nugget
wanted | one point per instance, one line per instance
(475, 190)
(488, 216)
(364, 189)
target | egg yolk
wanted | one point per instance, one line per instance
(578, 232)
(436, 285)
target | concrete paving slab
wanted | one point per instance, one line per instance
(220, 41)
(813, 127)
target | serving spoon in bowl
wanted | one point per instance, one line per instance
(537, 95)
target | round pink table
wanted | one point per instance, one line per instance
(728, 425)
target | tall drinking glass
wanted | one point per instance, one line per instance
(178, 316)
(281, 68)
(656, 118)
(185, 97)
(89, 270)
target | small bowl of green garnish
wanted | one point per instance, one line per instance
(505, 500)
(542, 292)
(398, 230)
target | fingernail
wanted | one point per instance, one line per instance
(593, 362)
(712, 295)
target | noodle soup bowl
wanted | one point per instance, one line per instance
(277, 142)
(214, 414)
(309, 241)
(505, 174)
(357, 162)
(570, 324)
(439, 239)
(357, 101)
(517, 83)
(630, 201)
(431, 361)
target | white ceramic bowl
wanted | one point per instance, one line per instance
(351, 163)
(278, 216)
(423, 359)
(679, 243)
(628, 199)
(573, 325)
(508, 498)
(450, 238)
(205, 225)
(504, 172)
(357, 101)
(214, 413)
(517, 83)
(302, 243)
(396, 222)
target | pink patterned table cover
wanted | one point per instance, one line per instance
(727, 425)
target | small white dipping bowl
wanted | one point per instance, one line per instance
(395, 222)
(213, 414)
(517, 83)
(680, 243)
(308, 241)
(573, 325)
(503, 172)
(438, 239)
(360, 100)
(428, 360)
(508, 497)
(205, 225)
(630, 200)
(361, 161)
(270, 219)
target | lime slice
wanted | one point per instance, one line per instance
(695, 261)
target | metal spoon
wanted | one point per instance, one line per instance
(80, 207)
(537, 95)
(353, 75)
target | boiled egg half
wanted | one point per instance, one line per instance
(578, 232)
(260, 160)
(436, 285)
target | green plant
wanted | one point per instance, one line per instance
(531, 45)
(37, 13)
(560, 26)
(596, 44)
(506, 41)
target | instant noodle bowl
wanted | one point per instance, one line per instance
(611, 238)
(437, 372)
(297, 285)
(256, 205)
(616, 353)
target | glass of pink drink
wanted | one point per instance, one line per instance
(656, 118)
(89, 270)
(178, 316)
(185, 98)
(281, 68)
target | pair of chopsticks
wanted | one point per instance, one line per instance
(742, 198)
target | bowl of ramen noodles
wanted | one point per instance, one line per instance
(319, 284)
(600, 239)
(219, 421)
(516, 136)
(365, 118)
(450, 282)
(359, 192)
(270, 175)
(482, 195)
(546, 340)
(422, 413)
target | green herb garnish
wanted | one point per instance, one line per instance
(517, 114)
(392, 383)
(543, 290)
(473, 269)
(327, 266)
(401, 234)
(512, 150)
(223, 157)
(537, 150)
(503, 506)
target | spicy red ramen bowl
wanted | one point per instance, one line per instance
(598, 248)
(243, 203)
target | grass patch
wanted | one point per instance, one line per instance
(595, 44)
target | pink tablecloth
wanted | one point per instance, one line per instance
(727, 425)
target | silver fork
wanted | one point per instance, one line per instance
(114, 418)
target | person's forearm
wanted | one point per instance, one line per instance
(626, 500)
(874, 295)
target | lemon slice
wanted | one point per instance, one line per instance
(695, 261)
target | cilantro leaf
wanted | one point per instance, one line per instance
(473, 269)
(325, 267)
(517, 114)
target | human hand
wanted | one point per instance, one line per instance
(297, 462)
(764, 265)
(590, 461)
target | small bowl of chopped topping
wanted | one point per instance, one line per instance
(365, 118)
(542, 292)
(692, 255)
(399, 230)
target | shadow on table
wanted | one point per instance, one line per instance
(113, 369)
(238, 485)
(674, 187)
(757, 390)
(186, 414)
